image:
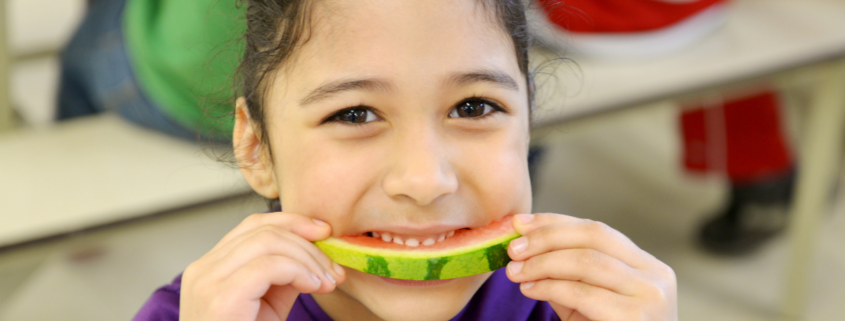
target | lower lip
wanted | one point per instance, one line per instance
(411, 283)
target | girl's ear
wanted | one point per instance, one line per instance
(252, 159)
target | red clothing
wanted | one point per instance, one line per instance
(621, 16)
(743, 138)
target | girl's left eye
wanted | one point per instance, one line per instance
(354, 115)
(473, 108)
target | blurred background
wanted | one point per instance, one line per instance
(708, 131)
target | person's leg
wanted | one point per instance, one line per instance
(76, 96)
(73, 98)
(756, 212)
(742, 139)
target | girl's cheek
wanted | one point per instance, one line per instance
(324, 177)
(511, 188)
(499, 179)
(507, 184)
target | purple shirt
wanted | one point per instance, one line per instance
(497, 299)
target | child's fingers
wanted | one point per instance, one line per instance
(317, 254)
(547, 232)
(282, 223)
(269, 240)
(606, 277)
(252, 281)
(593, 302)
(306, 227)
(584, 265)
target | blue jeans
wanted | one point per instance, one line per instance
(97, 75)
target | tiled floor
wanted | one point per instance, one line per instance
(620, 169)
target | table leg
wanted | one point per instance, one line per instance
(6, 112)
(820, 156)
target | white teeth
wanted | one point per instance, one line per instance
(413, 241)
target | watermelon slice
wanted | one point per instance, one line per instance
(468, 252)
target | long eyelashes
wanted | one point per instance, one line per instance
(357, 115)
(474, 108)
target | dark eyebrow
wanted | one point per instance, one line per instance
(493, 76)
(335, 87)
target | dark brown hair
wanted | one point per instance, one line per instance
(275, 28)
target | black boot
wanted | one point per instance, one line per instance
(755, 214)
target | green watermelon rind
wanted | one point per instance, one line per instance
(419, 264)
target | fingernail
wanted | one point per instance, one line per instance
(331, 279)
(316, 279)
(524, 218)
(519, 245)
(319, 222)
(337, 268)
(515, 266)
(527, 285)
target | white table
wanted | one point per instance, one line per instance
(93, 172)
(762, 38)
(777, 42)
(100, 170)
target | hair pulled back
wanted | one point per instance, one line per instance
(275, 28)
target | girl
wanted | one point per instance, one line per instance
(409, 118)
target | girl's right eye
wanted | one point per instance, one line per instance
(355, 115)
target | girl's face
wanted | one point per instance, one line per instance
(408, 117)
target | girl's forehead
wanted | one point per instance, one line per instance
(396, 39)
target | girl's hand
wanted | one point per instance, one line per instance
(257, 270)
(589, 271)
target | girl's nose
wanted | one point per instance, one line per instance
(420, 171)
